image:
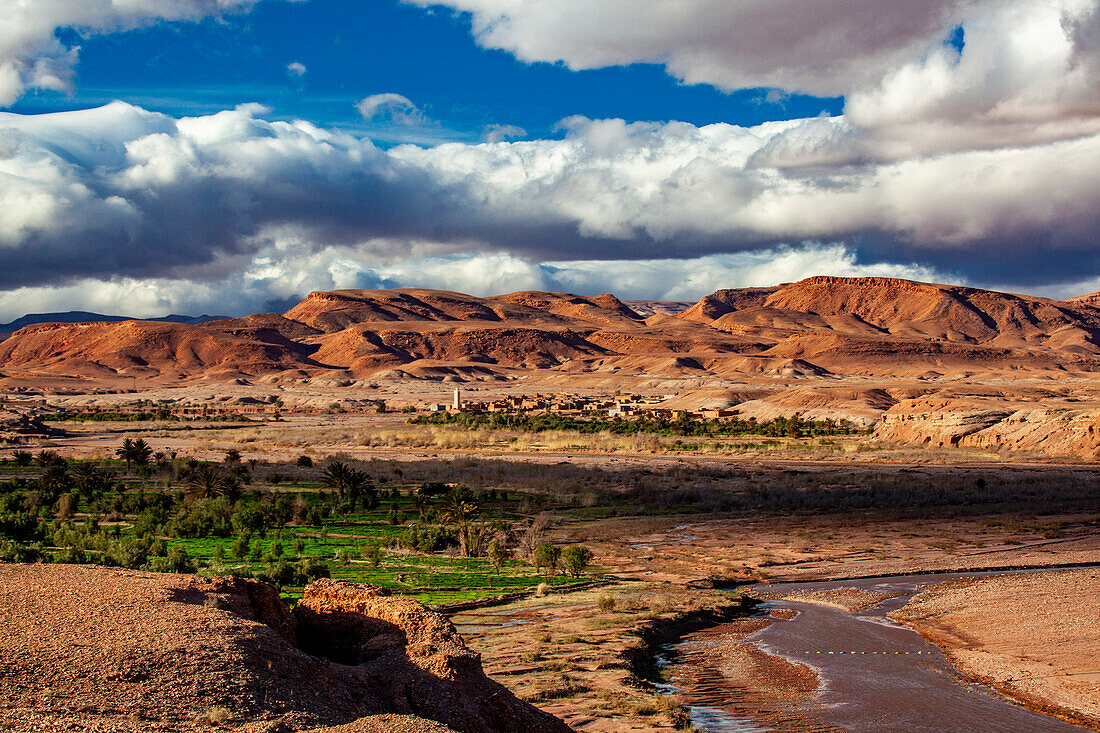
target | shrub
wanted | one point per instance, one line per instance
(71, 556)
(127, 554)
(373, 556)
(218, 715)
(547, 557)
(311, 569)
(497, 555)
(241, 547)
(576, 559)
(428, 539)
(15, 552)
(178, 561)
(605, 603)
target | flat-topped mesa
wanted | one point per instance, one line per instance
(603, 309)
(879, 307)
(869, 282)
(336, 310)
(339, 309)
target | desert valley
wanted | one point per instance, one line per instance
(535, 366)
(612, 508)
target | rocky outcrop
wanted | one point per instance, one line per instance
(1057, 428)
(88, 648)
(415, 655)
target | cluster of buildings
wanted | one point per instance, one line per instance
(567, 404)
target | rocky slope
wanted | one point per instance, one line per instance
(1053, 425)
(102, 649)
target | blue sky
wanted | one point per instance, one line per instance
(355, 48)
(231, 155)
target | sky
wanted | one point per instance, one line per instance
(230, 156)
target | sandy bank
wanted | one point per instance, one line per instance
(1032, 636)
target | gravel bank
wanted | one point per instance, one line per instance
(1033, 636)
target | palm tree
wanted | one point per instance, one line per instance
(346, 481)
(46, 458)
(126, 452)
(142, 452)
(459, 508)
(190, 465)
(22, 458)
(88, 479)
(134, 452)
(55, 479)
(208, 482)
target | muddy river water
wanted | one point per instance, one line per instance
(874, 674)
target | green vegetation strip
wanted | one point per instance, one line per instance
(682, 425)
(436, 543)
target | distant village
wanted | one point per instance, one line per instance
(620, 406)
(566, 404)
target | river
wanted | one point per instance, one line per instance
(874, 674)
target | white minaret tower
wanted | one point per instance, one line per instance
(458, 398)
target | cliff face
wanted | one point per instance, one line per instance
(412, 654)
(998, 423)
(105, 649)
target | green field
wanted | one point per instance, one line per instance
(217, 519)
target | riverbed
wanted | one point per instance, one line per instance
(873, 674)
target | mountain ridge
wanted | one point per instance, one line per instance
(821, 326)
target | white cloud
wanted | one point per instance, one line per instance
(296, 69)
(496, 133)
(119, 192)
(1029, 70)
(276, 279)
(826, 47)
(31, 56)
(391, 108)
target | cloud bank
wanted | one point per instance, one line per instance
(1027, 70)
(969, 150)
(123, 192)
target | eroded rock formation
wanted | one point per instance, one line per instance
(88, 648)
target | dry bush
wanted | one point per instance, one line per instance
(218, 715)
